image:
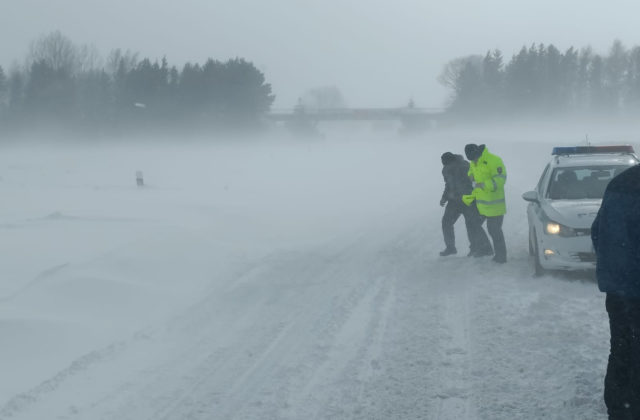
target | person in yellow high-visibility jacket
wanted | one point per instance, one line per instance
(489, 175)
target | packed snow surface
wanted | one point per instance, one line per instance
(280, 279)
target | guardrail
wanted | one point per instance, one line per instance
(356, 114)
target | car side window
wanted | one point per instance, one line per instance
(541, 182)
(579, 183)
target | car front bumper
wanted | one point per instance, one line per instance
(559, 253)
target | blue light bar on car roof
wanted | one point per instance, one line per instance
(583, 150)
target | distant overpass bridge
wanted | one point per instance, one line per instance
(404, 114)
(305, 121)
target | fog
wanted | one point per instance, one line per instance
(379, 54)
(201, 249)
(282, 277)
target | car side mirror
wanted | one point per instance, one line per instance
(531, 196)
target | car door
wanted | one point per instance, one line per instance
(534, 210)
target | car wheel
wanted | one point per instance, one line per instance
(538, 269)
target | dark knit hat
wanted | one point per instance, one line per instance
(473, 151)
(447, 158)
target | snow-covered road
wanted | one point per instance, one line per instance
(286, 281)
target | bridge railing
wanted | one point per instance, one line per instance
(354, 114)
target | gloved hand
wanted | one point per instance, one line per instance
(443, 202)
(468, 199)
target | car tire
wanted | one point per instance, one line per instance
(538, 269)
(531, 250)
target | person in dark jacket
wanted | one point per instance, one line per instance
(616, 239)
(457, 184)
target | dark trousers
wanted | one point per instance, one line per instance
(494, 226)
(478, 241)
(622, 381)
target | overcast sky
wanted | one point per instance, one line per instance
(378, 53)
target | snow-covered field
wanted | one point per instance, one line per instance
(280, 279)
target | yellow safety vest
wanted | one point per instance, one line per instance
(491, 172)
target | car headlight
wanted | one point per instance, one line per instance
(553, 228)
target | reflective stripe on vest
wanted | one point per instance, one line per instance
(489, 203)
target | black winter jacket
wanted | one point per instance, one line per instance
(456, 179)
(616, 235)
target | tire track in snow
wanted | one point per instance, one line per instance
(310, 345)
(295, 306)
(352, 359)
(455, 396)
(24, 401)
(218, 344)
(307, 335)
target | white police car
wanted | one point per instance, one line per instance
(566, 201)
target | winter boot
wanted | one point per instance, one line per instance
(448, 251)
(483, 253)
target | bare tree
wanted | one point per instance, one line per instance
(89, 59)
(452, 70)
(56, 51)
(119, 61)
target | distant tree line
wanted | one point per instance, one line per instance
(541, 80)
(62, 84)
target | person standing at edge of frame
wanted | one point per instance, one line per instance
(456, 184)
(615, 234)
(489, 175)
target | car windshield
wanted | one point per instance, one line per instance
(575, 183)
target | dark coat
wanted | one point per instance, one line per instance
(616, 235)
(456, 179)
